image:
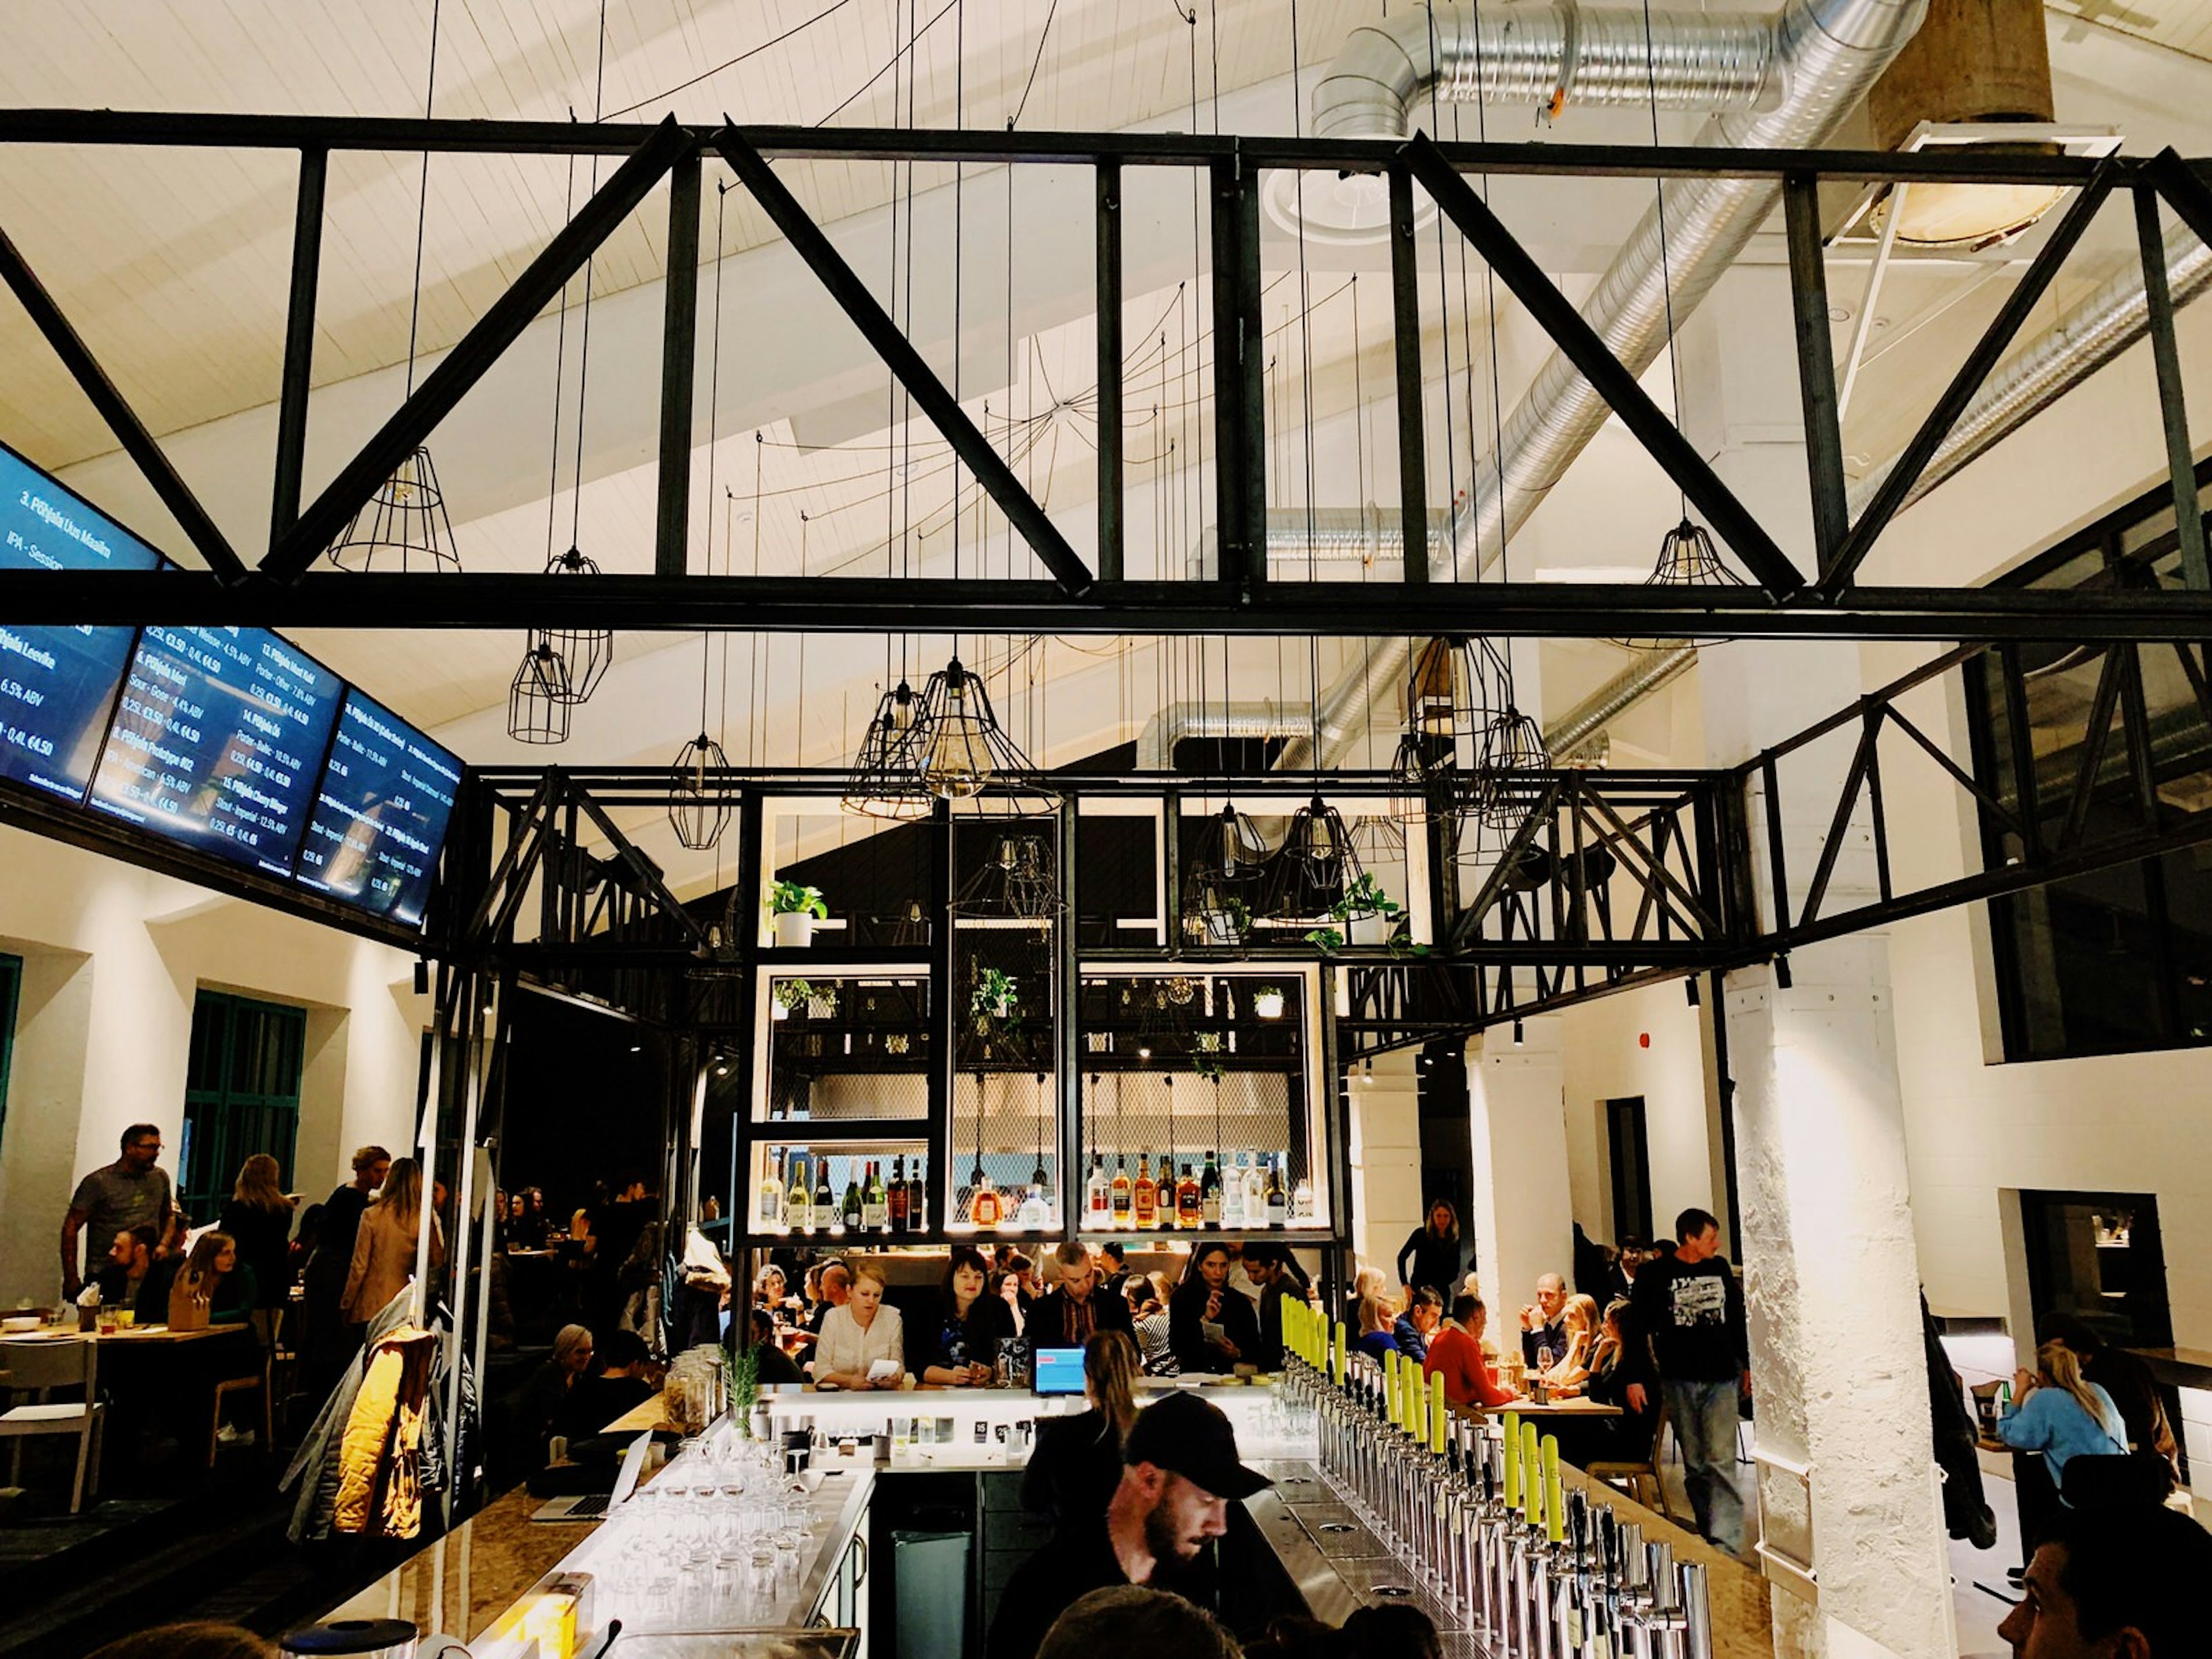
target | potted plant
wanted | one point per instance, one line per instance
(793, 996)
(1268, 1002)
(796, 908)
(1370, 915)
(995, 997)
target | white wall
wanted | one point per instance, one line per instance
(1606, 1062)
(113, 959)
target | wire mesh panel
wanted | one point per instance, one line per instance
(841, 1048)
(1185, 1071)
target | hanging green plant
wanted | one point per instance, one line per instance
(791, 898)
(1210, 1067)
(1327, 940)
(995, 997)
(794, 995)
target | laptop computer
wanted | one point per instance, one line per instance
(594, 1506)
(1058, 1370)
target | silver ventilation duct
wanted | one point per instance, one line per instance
(1827, 53)
(1587, 719)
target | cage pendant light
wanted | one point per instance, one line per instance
(1512, 750)
(967, 758)
(585, 654)
(698, 794)
(1318, 865)
(403, 528)
(538, 700)
(1687, 559)
(886, 779)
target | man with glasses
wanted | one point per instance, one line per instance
(132, 1191)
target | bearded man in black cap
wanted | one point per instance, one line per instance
(1180, 1472)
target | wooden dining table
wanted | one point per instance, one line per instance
(1576, 1406)
(134, 1335)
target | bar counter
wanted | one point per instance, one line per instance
(646, 1568)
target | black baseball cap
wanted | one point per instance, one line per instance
(1192, 1437)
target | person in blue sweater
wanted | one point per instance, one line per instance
(2060, 1414)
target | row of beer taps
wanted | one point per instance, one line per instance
(1475, 1504)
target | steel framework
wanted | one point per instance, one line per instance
(280, 591)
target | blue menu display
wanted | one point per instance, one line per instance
(56, 685)
(380, 818)
(217, 741)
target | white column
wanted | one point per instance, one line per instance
(1524, 1213)
(1845, 1469)
(1386, 1159)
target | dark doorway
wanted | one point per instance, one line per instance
(1628, 1150)
(2098, 1257)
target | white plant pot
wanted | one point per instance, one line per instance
(794, 928)
(1268, 1005)
(1374, 928)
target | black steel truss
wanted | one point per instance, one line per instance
(1239, 598)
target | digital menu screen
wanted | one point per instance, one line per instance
(56, 685)
(217, 741)
(380, 818)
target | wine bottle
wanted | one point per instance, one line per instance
(1122, 1196)
(1145, 1196)
(851, 1212)
(826, 1199)
(1278, 1201)
(895, 1198)
(875, 1202)
(917, 1201)
(1098, 1195)
(1189, 1207)
(1209, 1192)
(800, 1213)
(770, 1219)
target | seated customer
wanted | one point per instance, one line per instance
(130, 1258)
(1075, 1310)
(1570, 1369)
(1413, 1328)
(1148, 1319)
(1204, 1299)
(1455, 1358)
(955, 1344)
(212, 1278)
(2058, 1414)
(1544, 1322)
(622, 1381)
(862, 1339)
(1078, 1462)
(2120, 1374)
(1613, 1365)
(1375, 1338)
(523, 1427)
(773, 1367)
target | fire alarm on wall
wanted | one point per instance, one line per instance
(1644, 1039)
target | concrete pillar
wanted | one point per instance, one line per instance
(1386, 1159)
(1523, 1213)
(1847, 1488)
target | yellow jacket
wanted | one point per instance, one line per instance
(380, 1456)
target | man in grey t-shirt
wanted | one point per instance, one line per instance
(115, 1198)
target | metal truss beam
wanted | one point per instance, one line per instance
(880, 604)
(914, 372)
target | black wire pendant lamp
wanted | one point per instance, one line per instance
(1511, 751)
(1428, 752)
(1687, 559)
(403, 527)
(967, 758)
(886, 780)
(698, 794)
(1318, 865)
(538, 700)
(585, 654)
(1017, 883)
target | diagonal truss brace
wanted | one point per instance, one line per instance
(1556, 315)
(176, 495)
(808, 241)
(442, 389)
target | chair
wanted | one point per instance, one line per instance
(260, 1380)
(1638, 1471)
(38, 1369)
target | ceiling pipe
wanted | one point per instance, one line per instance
(1827, 53)
(1581, 726)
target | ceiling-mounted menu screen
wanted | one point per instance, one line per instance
(56, 685)
(217, 741)
(380, 818)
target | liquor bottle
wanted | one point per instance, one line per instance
(1302, 1201)
(1098, 1195)
(917, 1201)
(1278, 1201)
(1189, 1206)
(1209, 1192)
(875, 1202)
(1233, 1195)
(984, 1209)
(825, 1200)
(770, 1219)
(1122, 1196)
(800, 1212)
(1034, 1211)
(850, 1212)
(1145, 1196)
(1256, 1190)
(895, 1199)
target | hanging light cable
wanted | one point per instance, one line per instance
(403, 525)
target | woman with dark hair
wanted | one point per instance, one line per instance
(955, 1344)
(259, 1217)
(775, 1368)
(212, 1277)
(1438, 1258)
(1203, 1299)
(1078, 1462)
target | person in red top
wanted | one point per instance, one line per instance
(1455, 1357)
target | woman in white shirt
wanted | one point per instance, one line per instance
(855, 1336)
